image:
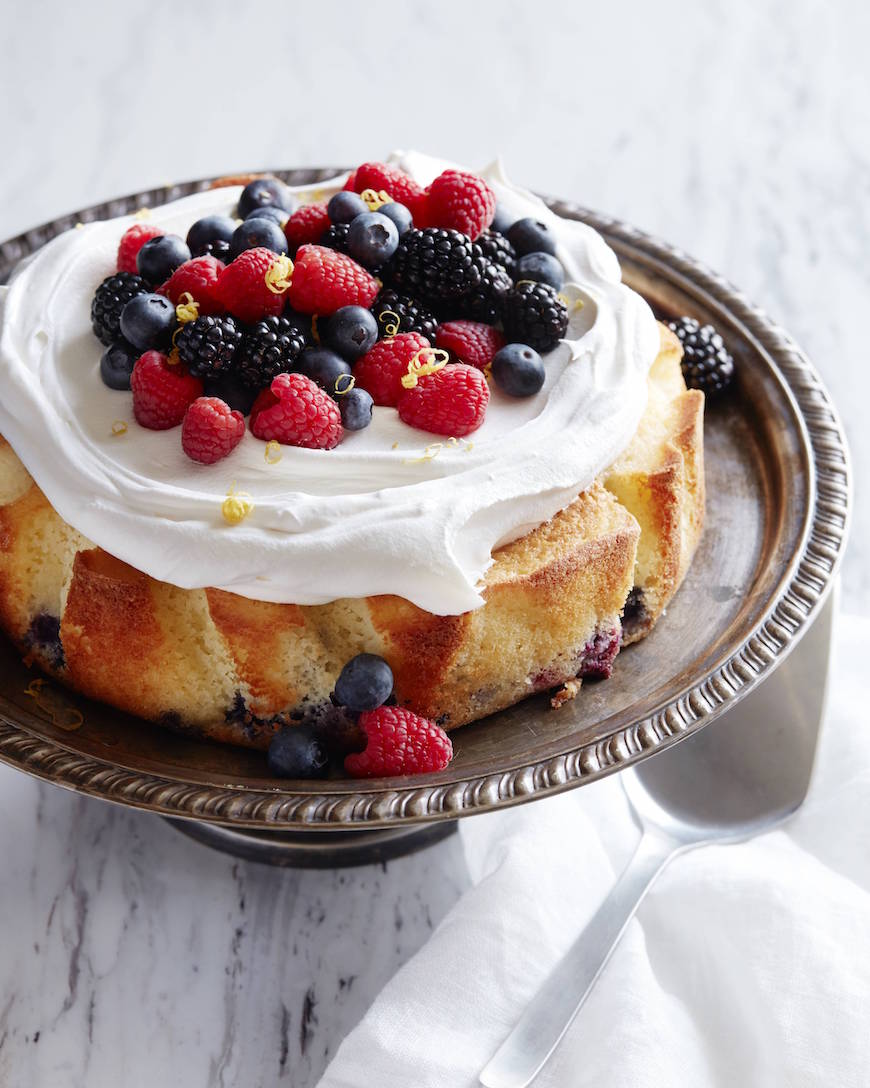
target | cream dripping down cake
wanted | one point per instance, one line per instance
(333, 470)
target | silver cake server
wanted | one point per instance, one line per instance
(737, 778)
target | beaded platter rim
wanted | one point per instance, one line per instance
(395, 802)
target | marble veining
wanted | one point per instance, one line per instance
(130, 954)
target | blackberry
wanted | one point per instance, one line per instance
(707, 364)
(412, 315)
(209, 345)
(497, 249)
(487, 301)
(335, 237)
(270, 347)
(110, 298)
(436, 264)
(535, 315)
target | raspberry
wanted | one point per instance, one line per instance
(451, 401)
(351, 182)
(470, 342)
(198, 278)
(305, 225)
(461, 201)
(324, 281)
(211, 430)
(244, 289)
(381, 369)
(162, 393)
(400, 186)
(297, 412)
(399, 742)
(132, 241)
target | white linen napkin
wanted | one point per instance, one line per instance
(746, 965)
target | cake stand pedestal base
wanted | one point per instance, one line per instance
(316, 849)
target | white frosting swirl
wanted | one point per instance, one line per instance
(366, 518)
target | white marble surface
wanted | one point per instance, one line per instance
(740, 132)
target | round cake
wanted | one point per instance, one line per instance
(486, 539)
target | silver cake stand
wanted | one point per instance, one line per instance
(778, 488)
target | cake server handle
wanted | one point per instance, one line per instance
(551, 1012)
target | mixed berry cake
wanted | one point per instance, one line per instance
(333, 470)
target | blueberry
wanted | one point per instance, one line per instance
(365, 683)
(263, 192)
(44, 634)
(159, 257)
(321, 366)
(206, 231)
(518, 370)
(356, 409)
(502, 219)
(541, 267)
(345, 206)
(117, 364)
(298, 751)
(257, 232)
(351, 331)
(372, 239)
(147, 321)
(399, 215)
(531, 236)
(277, 215)
(232, 391)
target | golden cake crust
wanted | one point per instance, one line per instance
(234, 669)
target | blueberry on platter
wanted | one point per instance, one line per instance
(298, 751)
(365, 683)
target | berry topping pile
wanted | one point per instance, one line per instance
(305, 317)
(362, 730)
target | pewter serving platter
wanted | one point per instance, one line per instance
(778, 495)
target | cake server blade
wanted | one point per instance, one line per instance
(733, 780)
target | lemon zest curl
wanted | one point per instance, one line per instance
(187, 309)
(424, 362)
(394, 325)
(35, 691)
(375, 198)
(272, 453)
(236, 506)
(279, 276)
(119, 427)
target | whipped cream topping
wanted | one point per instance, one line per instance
(378, 514)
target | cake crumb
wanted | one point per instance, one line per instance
(568, 691)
